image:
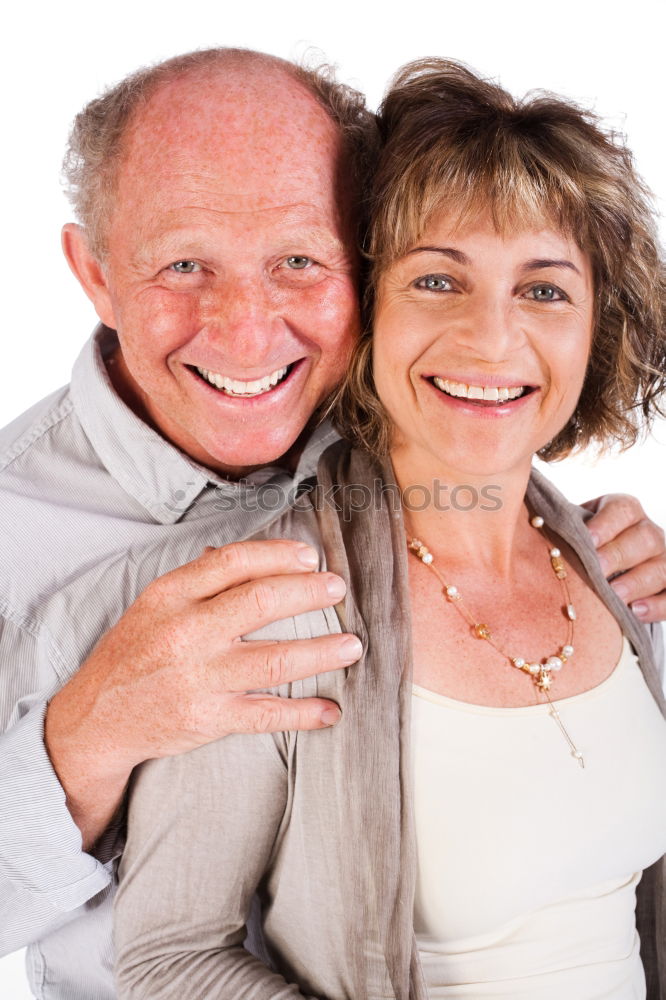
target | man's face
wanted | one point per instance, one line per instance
(231, 274)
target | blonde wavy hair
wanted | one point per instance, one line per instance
(454, 141)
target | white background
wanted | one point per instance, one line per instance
(56, 56)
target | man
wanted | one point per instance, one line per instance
(218, 197)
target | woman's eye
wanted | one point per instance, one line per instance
(546, 293)
(298, 262)
(434, 283)
(185, 266)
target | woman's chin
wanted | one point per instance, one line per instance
(472, 461)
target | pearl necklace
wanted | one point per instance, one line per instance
(540, 673)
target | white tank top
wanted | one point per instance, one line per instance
(528, 864)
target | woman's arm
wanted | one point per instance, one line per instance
(202, 827)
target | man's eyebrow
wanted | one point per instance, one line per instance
(538, 263)
(457, 255)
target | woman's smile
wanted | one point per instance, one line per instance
(480, 398)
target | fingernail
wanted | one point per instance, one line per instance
(335, 587)
(350, 649)
(621, 590)
(595, 539)
(307, 555)
(639, 609)
(330, 716)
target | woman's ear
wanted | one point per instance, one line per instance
(88, 270)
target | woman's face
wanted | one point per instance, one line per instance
(481, 343)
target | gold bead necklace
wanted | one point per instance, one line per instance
(540, 673)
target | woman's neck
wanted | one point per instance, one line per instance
(466, 518)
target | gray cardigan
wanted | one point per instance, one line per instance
(251, 834)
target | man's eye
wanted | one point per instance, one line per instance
(185, 266)
(546, 293)
(298, 263)
(434, 283)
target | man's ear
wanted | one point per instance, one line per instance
(88, 270)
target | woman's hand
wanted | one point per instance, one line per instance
(632, 550)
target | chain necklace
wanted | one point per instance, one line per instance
(540, 673)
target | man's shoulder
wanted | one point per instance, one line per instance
(30, 428)
(57, 505)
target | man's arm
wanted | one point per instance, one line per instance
(162, 681)
(173, 673)
(44, 874)
(631, 550)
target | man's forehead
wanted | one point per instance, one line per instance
(209, 151)
(227, 113)
(207, 145)
(178, 232)
(228, 197)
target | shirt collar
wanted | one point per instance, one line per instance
(164, 480)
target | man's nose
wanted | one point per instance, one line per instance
(243, 322)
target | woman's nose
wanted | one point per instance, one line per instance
(492, 329)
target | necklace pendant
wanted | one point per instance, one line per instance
(575, 752)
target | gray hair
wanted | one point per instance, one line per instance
(95, 147)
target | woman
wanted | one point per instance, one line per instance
(478, 823)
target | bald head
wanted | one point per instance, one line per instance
(238, 83)
(243, 136)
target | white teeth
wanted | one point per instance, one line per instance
(234, 387)
(491, 393)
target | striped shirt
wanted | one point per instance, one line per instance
(85, 487)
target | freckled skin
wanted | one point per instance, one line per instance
(238, 173)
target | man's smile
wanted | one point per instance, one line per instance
(236, 387)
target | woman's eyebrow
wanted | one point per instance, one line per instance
(538, 263)
(456, 255)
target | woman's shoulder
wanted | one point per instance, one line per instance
(554, 507)
(568, 520)
(296, 521)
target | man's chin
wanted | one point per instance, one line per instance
(243, 459)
